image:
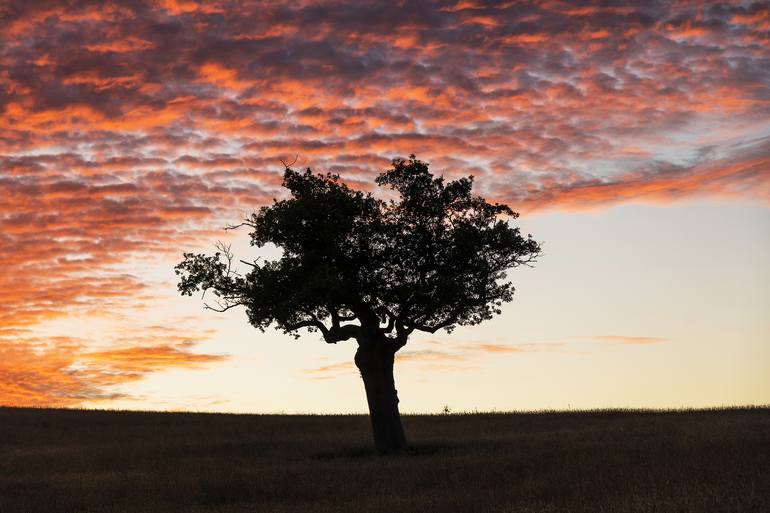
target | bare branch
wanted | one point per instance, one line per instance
(246, 222)
(287, 166)
(223, 307)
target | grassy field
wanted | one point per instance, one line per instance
(714, 461)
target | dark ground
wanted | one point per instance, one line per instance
(714, 461)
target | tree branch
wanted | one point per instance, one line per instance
(287, 166)
(436, 327)
(246, 222)
(222, 307)
(340, 333)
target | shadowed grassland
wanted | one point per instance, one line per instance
(711, 461)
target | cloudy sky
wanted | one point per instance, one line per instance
(634, 140)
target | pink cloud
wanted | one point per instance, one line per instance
(133, 129)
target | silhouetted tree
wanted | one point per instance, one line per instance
(362, 268)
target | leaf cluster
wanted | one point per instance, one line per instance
(357, 266)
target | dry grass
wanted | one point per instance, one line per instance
(714, 461)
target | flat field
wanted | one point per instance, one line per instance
(710, 461)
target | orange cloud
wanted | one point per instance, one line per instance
(128, 44)
(141, 360)
(487, 348)
(59, 371)
(330, 371)
(486, 21)
(525, 39)
(498, 348)
(748, 178)
(128, 131)
(629, 340)
(177, 7)
(431, 355)
(463, 358)
(221, 76)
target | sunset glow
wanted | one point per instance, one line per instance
(634, 139)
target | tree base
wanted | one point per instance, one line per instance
(376, 365)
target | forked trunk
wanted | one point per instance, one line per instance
(375, 361)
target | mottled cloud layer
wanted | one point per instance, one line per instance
(63, 371)
(129, 130)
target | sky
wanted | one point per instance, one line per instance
(633, 138)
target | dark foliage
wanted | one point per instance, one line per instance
(355, 266)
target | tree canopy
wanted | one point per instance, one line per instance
(428, 255)
(434, 256)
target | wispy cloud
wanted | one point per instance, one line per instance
(511, 348)
(629, 340)
(461, 357)
(63, 371)
(331, 371)
(433, 355)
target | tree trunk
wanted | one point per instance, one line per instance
(375, 361)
